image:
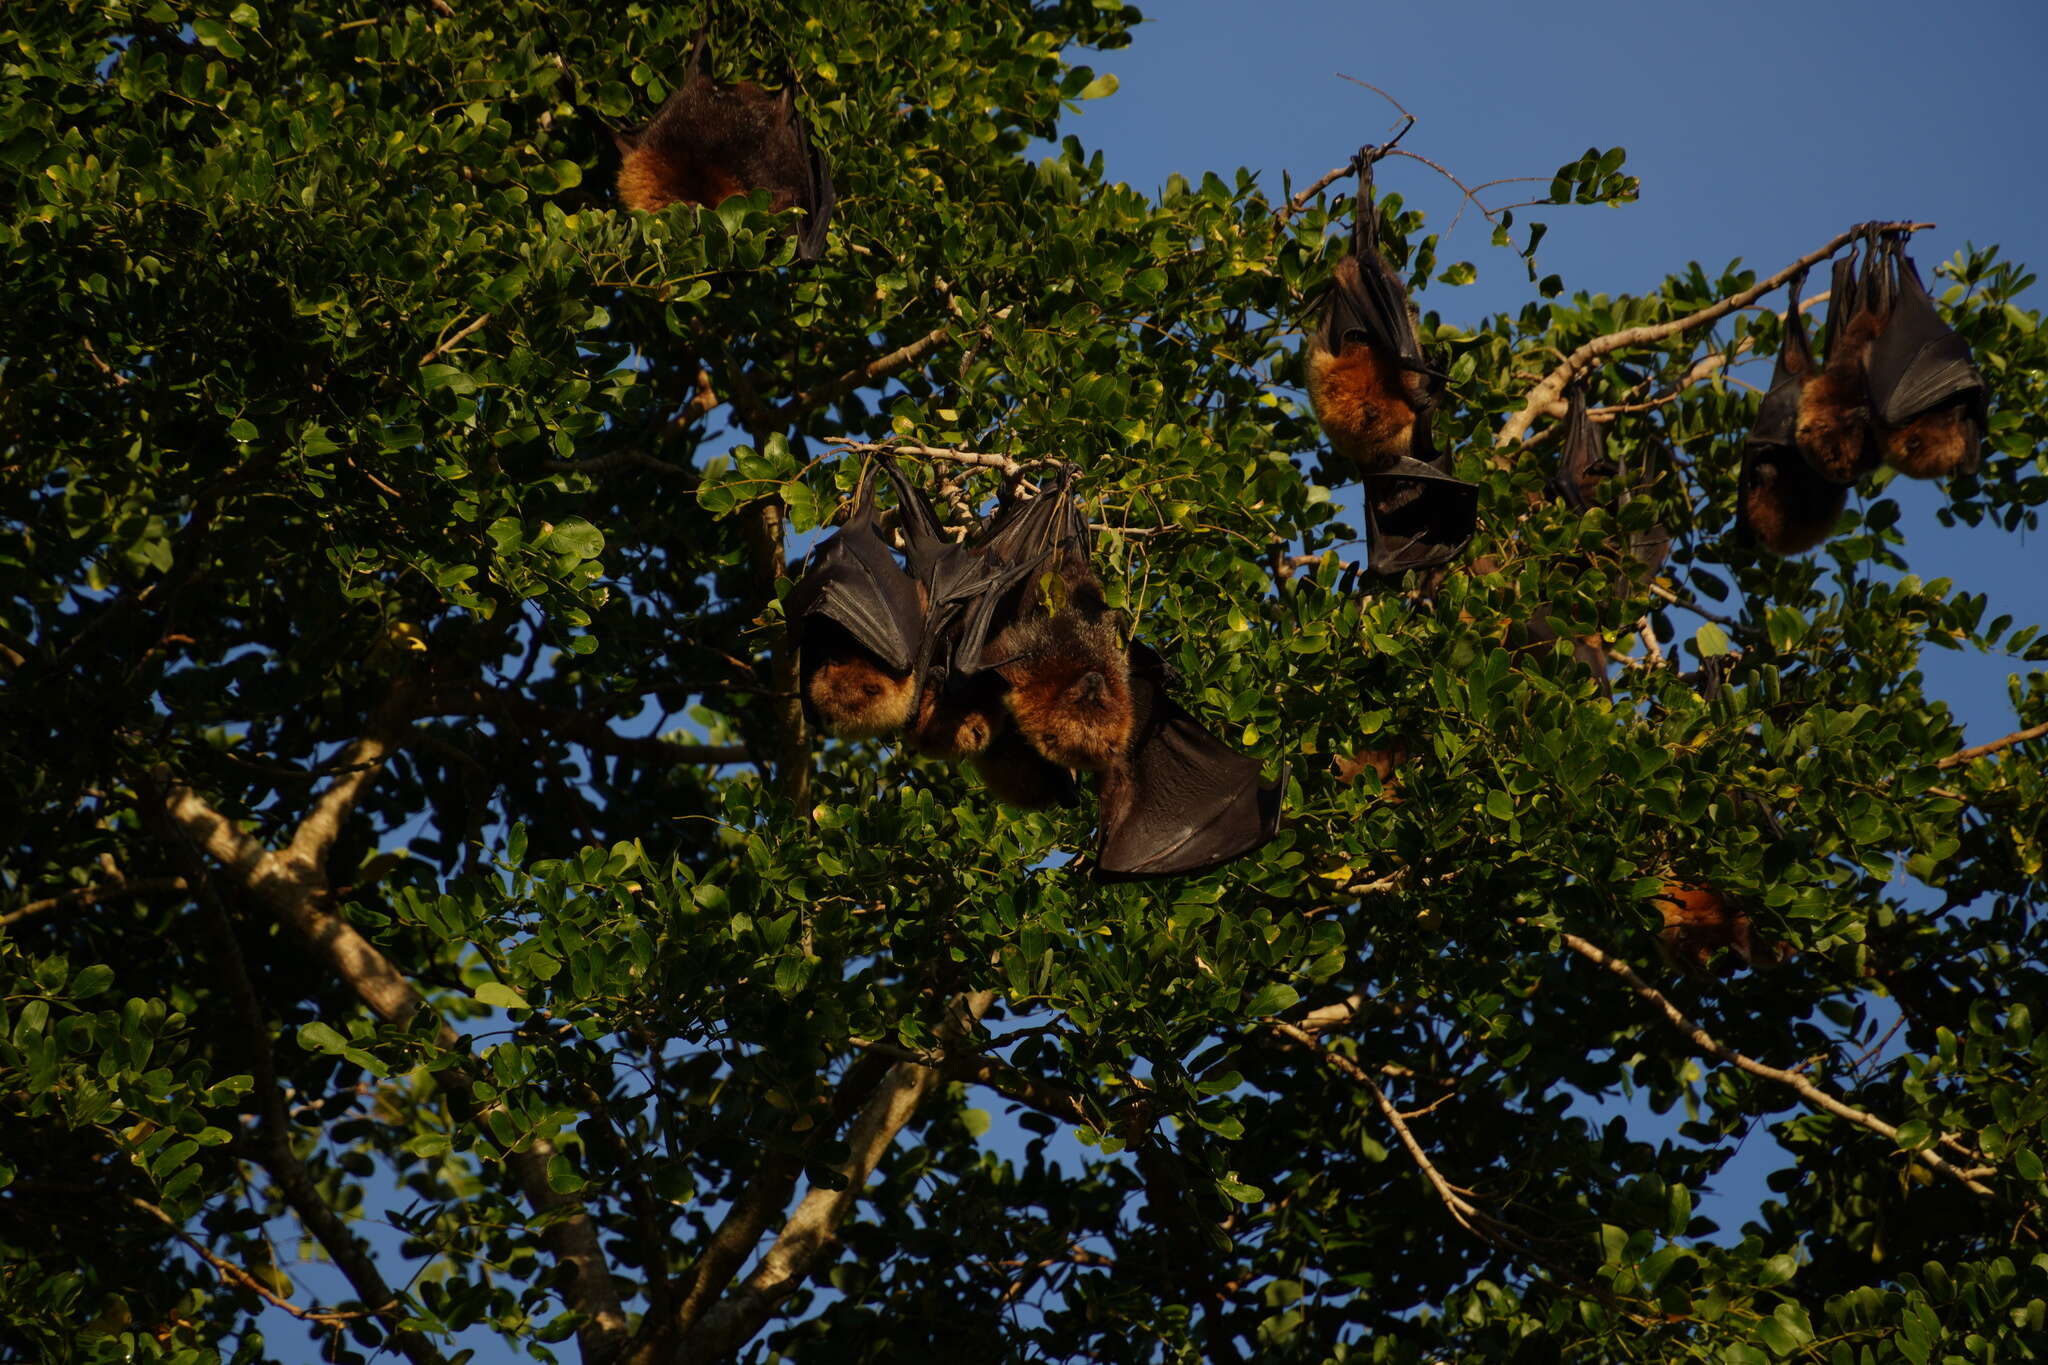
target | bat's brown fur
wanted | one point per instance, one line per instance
(853, 695)
(1936, 444)
(1785, 506)
(1070, 688)
(650, 180)
(1016, 776)
(956, 724)
(1699, 922)
(1834, 430)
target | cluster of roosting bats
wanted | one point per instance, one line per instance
(1003, 647)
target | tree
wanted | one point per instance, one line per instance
(423, 869)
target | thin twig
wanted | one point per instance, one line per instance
(442, 348)
(92, 895)
(231, 1273)
(1804, 1088)
(1468, 1215)
(1659, 590)
(1552, 386)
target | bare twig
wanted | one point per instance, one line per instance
(880, 368)
(944, 455)
(1962, 756)
(92, 895)
(1804, 1088)
(1468, 1215)
(442, 348)
(230, 1273)
(1551, 387)
(1659, 590)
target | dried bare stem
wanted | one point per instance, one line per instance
(942, 454)
(92, 895)
(232, 1274)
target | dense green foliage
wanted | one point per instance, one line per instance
(371, 489)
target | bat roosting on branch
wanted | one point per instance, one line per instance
(710, 140)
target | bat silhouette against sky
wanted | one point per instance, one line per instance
(710, 140)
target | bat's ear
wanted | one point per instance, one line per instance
(627, 139)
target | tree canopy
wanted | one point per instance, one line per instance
(429, 928)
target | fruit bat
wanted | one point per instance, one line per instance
(1699, 921)
(1584, 466)
(1183, 801)
(1833, 429)
(857, 622)
(710, 140)
(1367, 381)
(1782, 503)
(1417, 515)
(1928, 398)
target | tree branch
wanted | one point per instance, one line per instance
(296, 890)
(1804, 1088)
(815, 1222)
(232, 1274)
(978, 459)
(1468, 1215)
(442, 348)
(1552, 386)
(1961, 756)
(92, 895)
(875, 371)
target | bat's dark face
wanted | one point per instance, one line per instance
(1942, 443)
(853, 695)
(954, 725)
(1070, 691)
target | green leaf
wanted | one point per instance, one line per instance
(500, 996)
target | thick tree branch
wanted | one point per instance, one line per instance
(1800, 1085)
(359, 764)
(815, 1222)
(1552, 386)
(296, 890)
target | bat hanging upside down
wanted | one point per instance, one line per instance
(1005, 651)
(710, 140)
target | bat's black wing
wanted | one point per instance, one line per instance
(853, 580)
(819, 195)
(1186, 802)
(1918, 362)
(1370, 303)
(1417, 515)
(1582, 464)
(1021, 543)
(1777, 421)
